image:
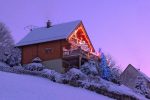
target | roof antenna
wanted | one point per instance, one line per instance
(139, 66)
(30, 27)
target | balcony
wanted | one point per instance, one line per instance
(71, 53)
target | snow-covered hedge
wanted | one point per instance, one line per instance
(46, 73)
(52, 75)
(34, 66)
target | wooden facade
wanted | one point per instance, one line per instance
(45, 51)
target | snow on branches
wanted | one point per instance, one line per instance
(90, 68)
(5, 36)
(8, 53)
(141, 86)
(35, 65)
(108, 68)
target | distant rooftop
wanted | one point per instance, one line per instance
(143, 74)
(44, 34)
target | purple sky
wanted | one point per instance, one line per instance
(120, 27)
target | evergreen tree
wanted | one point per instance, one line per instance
(104, 68)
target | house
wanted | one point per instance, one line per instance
(130, 75)
(58, 46)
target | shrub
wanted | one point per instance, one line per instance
(89, 68)
(13, 57)
(75, 74)
(93, 79)
(53, 75)
(34, 67)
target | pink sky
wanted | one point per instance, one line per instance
(119, 27)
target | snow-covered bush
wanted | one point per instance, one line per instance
(53, 75)
(115, 75)
(141, 86)
(34, 67)
(14, 57)
(93, 79)
(75, 74)
(11, 56)
(90, 68)
(19, 67)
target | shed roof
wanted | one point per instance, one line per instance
(44, 34)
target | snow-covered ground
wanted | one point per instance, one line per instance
(25, 87)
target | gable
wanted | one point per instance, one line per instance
(131, 73)
(43, 34)
(80, 35)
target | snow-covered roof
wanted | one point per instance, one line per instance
(145, 76)
(44, 34)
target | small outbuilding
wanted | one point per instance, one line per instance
(130, 76)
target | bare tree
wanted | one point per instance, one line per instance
(6, 39)
(8, 53)
(114, 69)
(110, 61)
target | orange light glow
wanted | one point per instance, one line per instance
(80, 34)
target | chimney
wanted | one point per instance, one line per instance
(48, 24)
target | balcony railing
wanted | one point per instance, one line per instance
(70, 52)
(79, 52)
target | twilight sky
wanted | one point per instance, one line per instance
(120, 27)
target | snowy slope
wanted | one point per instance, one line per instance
(122, 89)
(24, 87)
